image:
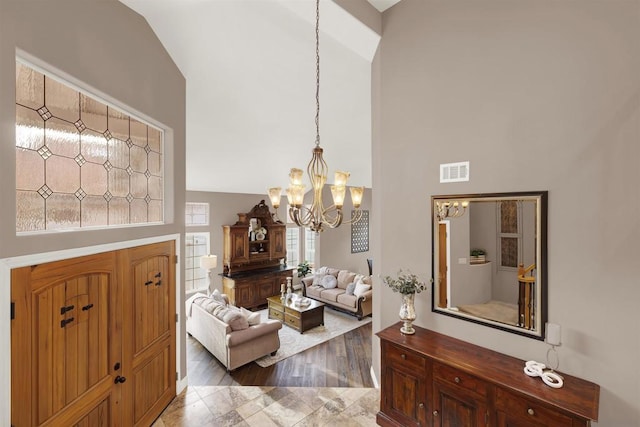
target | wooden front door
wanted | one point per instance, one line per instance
(149, 340)
(92, 342)
(65, 342)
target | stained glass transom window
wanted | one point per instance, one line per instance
(80, 162)
(510, 233)
(360, 233)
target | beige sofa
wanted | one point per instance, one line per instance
(338, 297)
(232, 346)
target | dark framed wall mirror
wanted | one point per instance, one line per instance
(489, 259)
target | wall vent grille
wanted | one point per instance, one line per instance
(454, 172)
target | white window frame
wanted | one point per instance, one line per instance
(195, 210)
(192, 264)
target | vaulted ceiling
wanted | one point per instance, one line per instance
(249, 66)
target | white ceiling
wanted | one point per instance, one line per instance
(250, 72)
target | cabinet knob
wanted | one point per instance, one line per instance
(457, 380)
(435, 413)
(404, 356)
(530, 411)
(421, 405)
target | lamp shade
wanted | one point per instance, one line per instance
(208, 262)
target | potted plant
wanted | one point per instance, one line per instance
(303, 269)
(478, 256)
(408, 285)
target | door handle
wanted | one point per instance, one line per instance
(119, 380)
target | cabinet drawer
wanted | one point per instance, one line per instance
(275, 314)
(520, 408)
(457, 378)
(292, 321)
(291, 312)
(401, 357)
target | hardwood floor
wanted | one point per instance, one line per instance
(344, 361)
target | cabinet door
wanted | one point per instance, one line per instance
(454, 407)
(459, 398)
(264, 288)
(239, 245)
(278, 247)
(244, 295)
(404, 395)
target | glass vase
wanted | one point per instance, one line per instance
(408, 313)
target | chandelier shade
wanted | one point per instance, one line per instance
(451, 209)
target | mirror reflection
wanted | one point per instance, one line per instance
(489, 255)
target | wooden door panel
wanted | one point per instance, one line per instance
(150, 382)
(151, 301)
(61, 332)
(149, 278)
(98, 417)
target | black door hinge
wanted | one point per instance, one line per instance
(13, 310)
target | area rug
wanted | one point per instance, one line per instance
(293, 342)
(493, 310)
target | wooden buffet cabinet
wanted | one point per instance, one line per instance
(430, 379)
(252, 271)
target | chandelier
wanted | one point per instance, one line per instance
(450, 209)
(316, 216)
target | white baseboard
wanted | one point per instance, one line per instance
(374, 379)
(181, 385)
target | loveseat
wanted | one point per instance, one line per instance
(351, 292)
(226, 332)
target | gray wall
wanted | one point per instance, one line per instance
(335, 245)
(106, 46)
(537, 95)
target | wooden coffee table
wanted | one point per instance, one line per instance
(297, 317)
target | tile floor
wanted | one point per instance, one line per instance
(221, 406)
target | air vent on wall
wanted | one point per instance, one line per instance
(454, 172)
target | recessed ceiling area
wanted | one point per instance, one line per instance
(249, 67)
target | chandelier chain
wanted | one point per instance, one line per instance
(317, 73)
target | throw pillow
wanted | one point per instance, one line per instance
(317, 278)
(344, 278)
(360, 289)
(233, 318)
(218, 297)
(329, 282)
(252, 317)
(350, 288)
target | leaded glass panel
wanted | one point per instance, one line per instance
(80, 162)
(119, 211)
(138, 159)
(29, 87)
(138, 211)
(508, 216)
(62, 211)
(509, 248)
(29, 160)
(29, 128)
(62, 101)
(62, 174)
(30, 209)
(61, 137)
(93, 113)
(94, 211)
(93, 146)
